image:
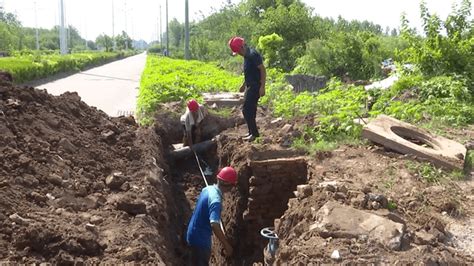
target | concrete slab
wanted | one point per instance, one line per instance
(395, 134)
(225, 99)
(340, 221)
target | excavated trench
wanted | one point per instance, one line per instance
(267, 179)
(266, 183)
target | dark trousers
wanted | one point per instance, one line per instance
(195, 134)
(249, 109)
(200, 256)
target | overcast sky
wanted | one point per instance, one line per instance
(93, 17)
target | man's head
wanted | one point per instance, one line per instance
(193, 106)
(237, 45)
(227, 178)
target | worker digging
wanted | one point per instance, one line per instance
(206, 218)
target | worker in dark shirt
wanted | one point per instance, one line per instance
(254, 83)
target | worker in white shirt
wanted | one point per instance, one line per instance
(191, 121)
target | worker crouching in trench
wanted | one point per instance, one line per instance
(192, 123)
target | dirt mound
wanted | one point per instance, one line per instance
(396, 217)
(79, 186)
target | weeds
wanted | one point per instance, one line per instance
(431, 174)
(222, 112)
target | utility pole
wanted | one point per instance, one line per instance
(186, 31)
(126, 11)
(62, 31)
(113, 26)
(161, 34)
(167, 30)
(36, 27)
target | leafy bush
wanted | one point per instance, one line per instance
(441, 53)
(356, 55)
(166, 79)
(269, 45)
(334, 109)
(442, 99)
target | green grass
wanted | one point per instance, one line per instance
(224, 112)
(165, 80)
(432, 174)
(35, 66)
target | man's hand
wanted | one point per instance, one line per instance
(242, 88)
(262, 91)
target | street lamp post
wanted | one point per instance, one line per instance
(167, 30)
(113, 26)
(36, 27)
(62, 31)
(186, 30)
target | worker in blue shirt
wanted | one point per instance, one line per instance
(206, 218)
(254, 84)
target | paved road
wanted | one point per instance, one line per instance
(113, 87)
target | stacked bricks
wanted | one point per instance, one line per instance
(271, 185)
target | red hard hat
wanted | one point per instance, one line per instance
(236, 43)
(228, 174)
(193, 105)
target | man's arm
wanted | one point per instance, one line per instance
(216, 228)
(263, 79)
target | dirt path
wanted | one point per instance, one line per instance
(112, 88)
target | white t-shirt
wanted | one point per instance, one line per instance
(187, 118)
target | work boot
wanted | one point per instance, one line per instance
(246, 136)
(250, 138)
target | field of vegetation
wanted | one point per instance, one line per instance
(166, 79)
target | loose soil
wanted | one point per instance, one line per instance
(60, 201)
(55, 154)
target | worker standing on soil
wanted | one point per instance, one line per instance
(206, 218)
(254, 83)
(192, 123)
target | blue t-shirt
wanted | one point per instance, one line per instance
(207, 211)
(251, 72)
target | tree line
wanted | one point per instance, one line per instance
(292, 38)
(15, 37)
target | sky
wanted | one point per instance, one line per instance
(140, 18)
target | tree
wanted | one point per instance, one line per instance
(439, 53)
(270, 45)
(123, 41)
(103, 41)
(294, 24)
(176, 32)
(91, 45)
(10, 31)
